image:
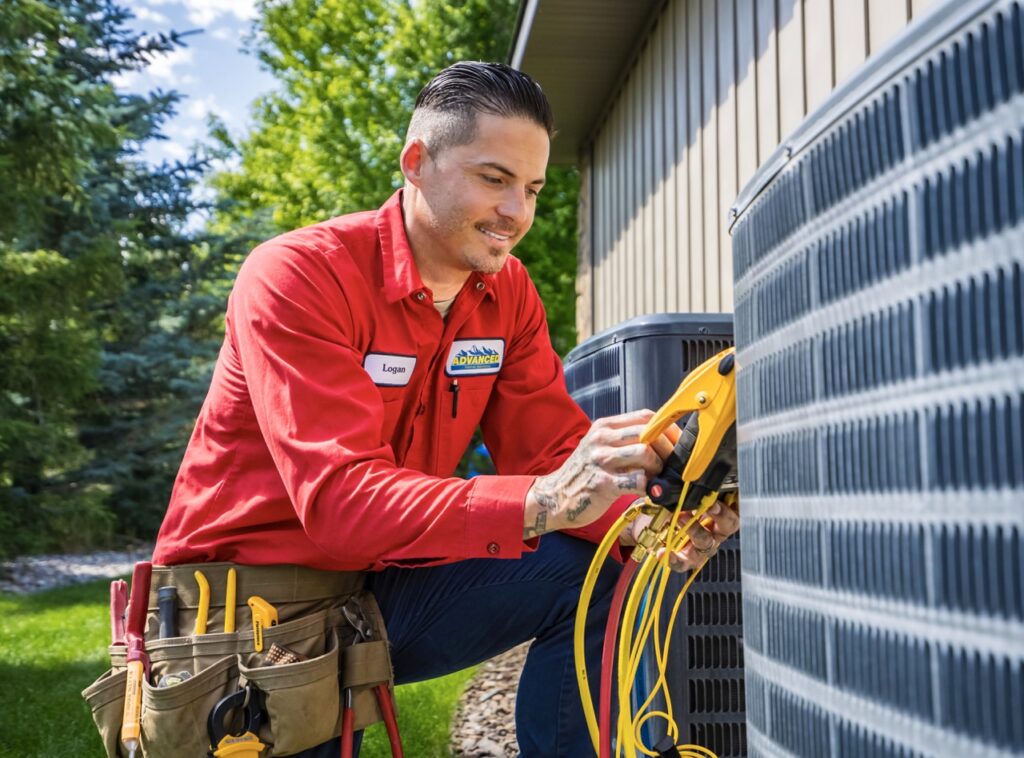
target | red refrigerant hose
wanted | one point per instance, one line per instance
(611, 634)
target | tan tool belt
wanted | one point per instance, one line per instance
(302, 699)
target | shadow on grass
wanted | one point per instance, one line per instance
(42, 712)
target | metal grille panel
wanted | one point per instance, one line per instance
(880, 334)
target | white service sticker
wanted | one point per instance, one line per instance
(389, 370)
(474, 357)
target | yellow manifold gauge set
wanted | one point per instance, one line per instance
(699, 471)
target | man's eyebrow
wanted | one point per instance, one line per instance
(507, 172)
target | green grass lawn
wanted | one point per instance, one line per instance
(53, 644)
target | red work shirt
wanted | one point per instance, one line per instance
(331, 426)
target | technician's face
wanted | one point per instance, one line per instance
(481, 196)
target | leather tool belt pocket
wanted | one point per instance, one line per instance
(329, 636)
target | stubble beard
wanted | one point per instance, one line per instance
(480, 257)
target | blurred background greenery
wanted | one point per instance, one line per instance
(114, 271)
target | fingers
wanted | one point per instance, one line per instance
(706, 537)
(702, 540)
(723, 522)
(630, 482)
(678, 561)
(633, 418)
(673, 432)
(662, 446)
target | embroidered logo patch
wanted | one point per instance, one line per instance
(472, 357)
(389, 370)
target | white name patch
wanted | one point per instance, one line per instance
(475, 356)
(389, 370)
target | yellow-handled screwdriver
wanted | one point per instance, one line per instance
(229, 601)
(203, 611)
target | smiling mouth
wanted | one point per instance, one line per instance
(495, 235)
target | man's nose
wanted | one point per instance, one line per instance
(515, 207)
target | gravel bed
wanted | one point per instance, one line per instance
(484, 724)
(44, 572)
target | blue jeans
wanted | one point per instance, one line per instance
(446, 618)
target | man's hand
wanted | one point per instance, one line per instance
(609, 462)
(704, 540)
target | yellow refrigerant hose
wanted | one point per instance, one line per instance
(710, 392)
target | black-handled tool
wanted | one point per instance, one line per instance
(167, 603)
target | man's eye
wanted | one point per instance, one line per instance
(532, 192)
(492, 179)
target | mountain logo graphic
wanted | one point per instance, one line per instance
(475, 357)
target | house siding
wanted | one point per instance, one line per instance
(713, 89)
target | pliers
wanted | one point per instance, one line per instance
(364, 633)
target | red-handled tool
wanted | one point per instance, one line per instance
(136, 658)
(118, 605)
(364, 633)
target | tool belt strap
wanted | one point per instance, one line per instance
(277, 584)
(366, 663)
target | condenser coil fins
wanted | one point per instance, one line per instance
(639, 364)
(880, 336)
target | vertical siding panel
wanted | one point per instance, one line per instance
(709, 87)
(885, 19)
(599, 252)
(617, 177)
(767, 79)
(657, 277)
(727, 148)
(586, 240)
(603, 214)
(917, 7)
(632, 178)
(628, 141)
(625, 215)
(791, 66)
(647, 122)
(640, 125)
(680, 284)
(637, 205)
(818, 53)
(695, 278)
(672, 226)
(851, 39)
(746, 91)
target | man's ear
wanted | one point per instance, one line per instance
(414, 156)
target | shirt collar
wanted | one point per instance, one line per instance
(401, 277)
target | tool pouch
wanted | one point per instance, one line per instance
(302, 699)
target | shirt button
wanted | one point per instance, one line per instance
(420, 296)
(480, 285)
(493, 548)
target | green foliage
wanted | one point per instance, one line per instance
(549, 253)
(55, 645)
(327, 140)
(99, 330)
(110, 307)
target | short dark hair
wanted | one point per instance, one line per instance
(446, 109)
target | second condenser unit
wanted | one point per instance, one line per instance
(639, 364)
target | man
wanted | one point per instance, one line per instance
(360, 355)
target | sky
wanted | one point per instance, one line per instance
(212, 72)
